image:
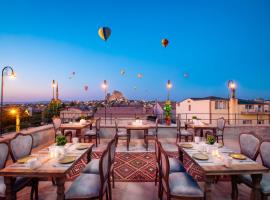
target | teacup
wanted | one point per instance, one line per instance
(228, 162)
(75, 140)
(197, 139)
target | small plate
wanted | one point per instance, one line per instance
(200, 156)
(238, 156)
(67, 160)
(186, 145)
(82, 147)
(25, 159)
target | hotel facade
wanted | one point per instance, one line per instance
(235, 111)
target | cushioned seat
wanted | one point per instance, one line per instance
(92, 167)
(2, 187)
(182, 184)
(265, 182)
(186, 132)
(175, 165)
(90, 132)
(152, 133)
(84, 186)
(121, 133)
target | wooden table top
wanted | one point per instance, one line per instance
(139, 126)
(203, 125)
(75, 125)
(215, 165)
(50, 166)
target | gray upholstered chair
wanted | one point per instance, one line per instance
(90, 134)
(175, 164)
(182, 132)
(3, 159)
(21, 146)
(219, 131)
(57, 124)
(93, 166)
(249, 146)
(92, 186)
(120, 133)
(177, 185)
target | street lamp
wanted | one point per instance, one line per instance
(53, 87)
(17, 115)
(104, 86)
(232, 88)
(11, 75)
(169, 87)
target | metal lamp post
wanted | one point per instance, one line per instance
(6, 68)
(53, 86)
(232, 88)
(105, 86)
(169, 87)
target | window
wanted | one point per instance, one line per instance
(249, 107)
(260, 121)
(189, 107)
(220, 105)
(247, 121)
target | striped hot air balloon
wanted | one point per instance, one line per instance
(104, 33)
(165, 42)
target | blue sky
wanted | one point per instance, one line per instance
(212, 41)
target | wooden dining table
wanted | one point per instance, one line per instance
(201, 127)
(49, 168)
(138, 127)
(214, 167)
(77, 126)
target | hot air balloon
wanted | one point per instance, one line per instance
(186, 75)
(122, 72)
(73, 73)
(165, 42)
(139, 75)
(104, 33)
(85, 87)
(135, 88)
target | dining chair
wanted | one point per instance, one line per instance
(182, 132)
(249, 146)
(177, 185)
(152, 134)
(120, 133)
(219, 131)
(19, 147)
(57, 124)
(92, 186)
(174, 164)
(3, 160)
(90, 134)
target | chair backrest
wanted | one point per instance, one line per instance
(156, 124)
(4, 154)
(249, 144)
(56, 123)
(98, 124)
(265, 153)
(178, 123)
(112, 146)
(157, 150)
(165, 168)
(221, 124)
(20, 146)
(104, 169)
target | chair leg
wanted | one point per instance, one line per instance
(176, 137)
(107, 194)
(110, 190)
(96, 141)
(234, 193)
(156, 177)
(113, 177)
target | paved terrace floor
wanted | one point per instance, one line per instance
(144, 191)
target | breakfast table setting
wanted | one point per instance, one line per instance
(218, 160)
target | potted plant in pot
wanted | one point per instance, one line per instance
(168, 112)
(61, 141)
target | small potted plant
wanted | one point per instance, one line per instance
(168, 112)
(61, 140)
(211, 139)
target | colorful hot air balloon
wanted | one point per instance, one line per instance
(186, 75)
(73, 73)
(85, 87)
(104, 33)
(122, 72)
(139, 75)
(165, 42)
